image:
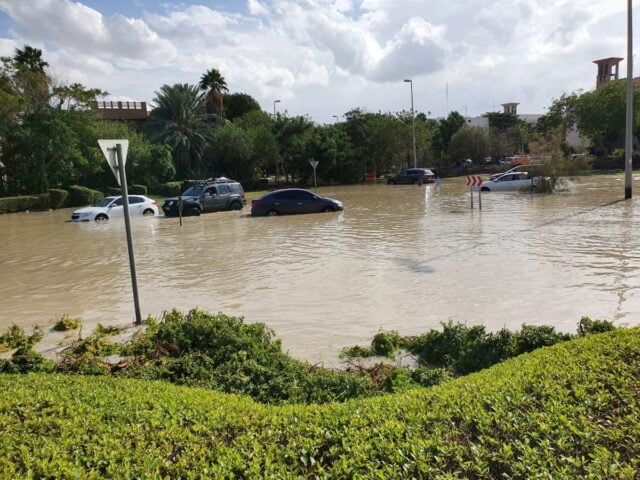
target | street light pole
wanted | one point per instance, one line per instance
(277, 166)
(413, 121)
(336, 117)
(628, 178)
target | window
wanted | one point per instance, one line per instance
(305, 195)
(134, 200)
(223, 189)
(193, 191)
(235, 187)
(117, 203)
(211, 191)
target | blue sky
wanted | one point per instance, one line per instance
(325, 57)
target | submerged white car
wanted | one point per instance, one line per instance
(111, 207)
(510, 182)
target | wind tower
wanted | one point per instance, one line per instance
(607, 70)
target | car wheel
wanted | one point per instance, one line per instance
(391, 182)
(193, 212)
(148, 213)
(272, 213)
(101, 217)
(485, 189)
(327, 210)
(235, 206)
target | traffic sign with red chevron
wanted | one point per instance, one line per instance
(474, 181)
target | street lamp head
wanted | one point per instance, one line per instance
(276, 101)
(407, 80)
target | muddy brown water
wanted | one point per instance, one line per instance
(403, 258)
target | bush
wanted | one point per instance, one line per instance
(83, 196)
(169, 189)
(65, 323)
(24, 203)
(25, 360)
(586, 326)
(137, 190)
(570, 411)
(532, 337)
(58, 197)
(15, 337)
(386, 344)
(113, 191)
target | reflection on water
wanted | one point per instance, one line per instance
(402, 257)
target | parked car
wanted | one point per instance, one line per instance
(510, 182)
(416, 176)
(206, 196)
(111, 207)
(293, 201)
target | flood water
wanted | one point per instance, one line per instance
(401, 257)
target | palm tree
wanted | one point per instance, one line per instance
(214, 84)
(181, 121)
(31, 58)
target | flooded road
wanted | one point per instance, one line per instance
(403, 258)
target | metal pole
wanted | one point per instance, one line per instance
(127, 223)
(413, 120)
(315, 186)
(277, 161)
(628, 178)
(180, 207)
(480, 198)
(471, 195)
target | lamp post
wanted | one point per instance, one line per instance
(413, 120)
(277, 166)
(628, 179)
(337, 117)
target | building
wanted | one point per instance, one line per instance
(135, 112)
(608, 69)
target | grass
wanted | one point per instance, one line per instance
(567, 411)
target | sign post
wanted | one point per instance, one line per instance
(472, 182)
(115, 152)
(314, 164)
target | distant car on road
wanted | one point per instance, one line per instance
(111, 207)
(207, 196)
(416, 176)
(510, 182)
(293, 201)
(515, 169)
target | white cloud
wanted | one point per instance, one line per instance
(325, 57)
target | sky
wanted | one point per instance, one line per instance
(323, 58)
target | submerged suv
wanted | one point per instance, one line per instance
(205, 196)
(416, 176)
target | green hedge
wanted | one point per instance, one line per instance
(567, 411)
(138, 190)
(58, 197)
(25, 203)
(83, 196)
(169, 189)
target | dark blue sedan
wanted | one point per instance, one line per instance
(291, 201)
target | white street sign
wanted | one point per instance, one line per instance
(314, 163)
(108, 149)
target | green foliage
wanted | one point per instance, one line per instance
(15, 337)
(65, 323)
(469, 142)
(138, 190)
(586, 326)
(238, 104)
(22, 203)
(101, 330)
(569, 411)
(58, 197)
(25, 360)
(386, 344)
(168, 189)
(356, 351)
(531, 337)
(82, 196)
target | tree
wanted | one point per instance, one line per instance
(447, 128)
(469, 142)
(76, 96)
(232, 153)
(181, 122)
(502, 121)
(31, 58)
(238, 104)
(214, 85)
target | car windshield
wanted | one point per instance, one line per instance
(105, 202)
(192, 191)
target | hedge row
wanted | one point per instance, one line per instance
(169, 189)
(132, 189)
(567, 411)
(83, 196)
(25, 203)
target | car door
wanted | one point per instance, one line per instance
(224, 192)
(115, 209)
(136, 205)
(306, 202)
(210, 199)
(504, 183)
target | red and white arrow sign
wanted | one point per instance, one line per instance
(474, 181)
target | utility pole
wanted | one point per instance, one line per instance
(277, 161)
(628, 178)
(413, 121)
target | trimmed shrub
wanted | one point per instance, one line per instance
(138, 190)
(169, 189)
(58, 197)
(24, 203)
(81, 196)
(113, 191)
(586, 326)
(532, 337)
(569, 411)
